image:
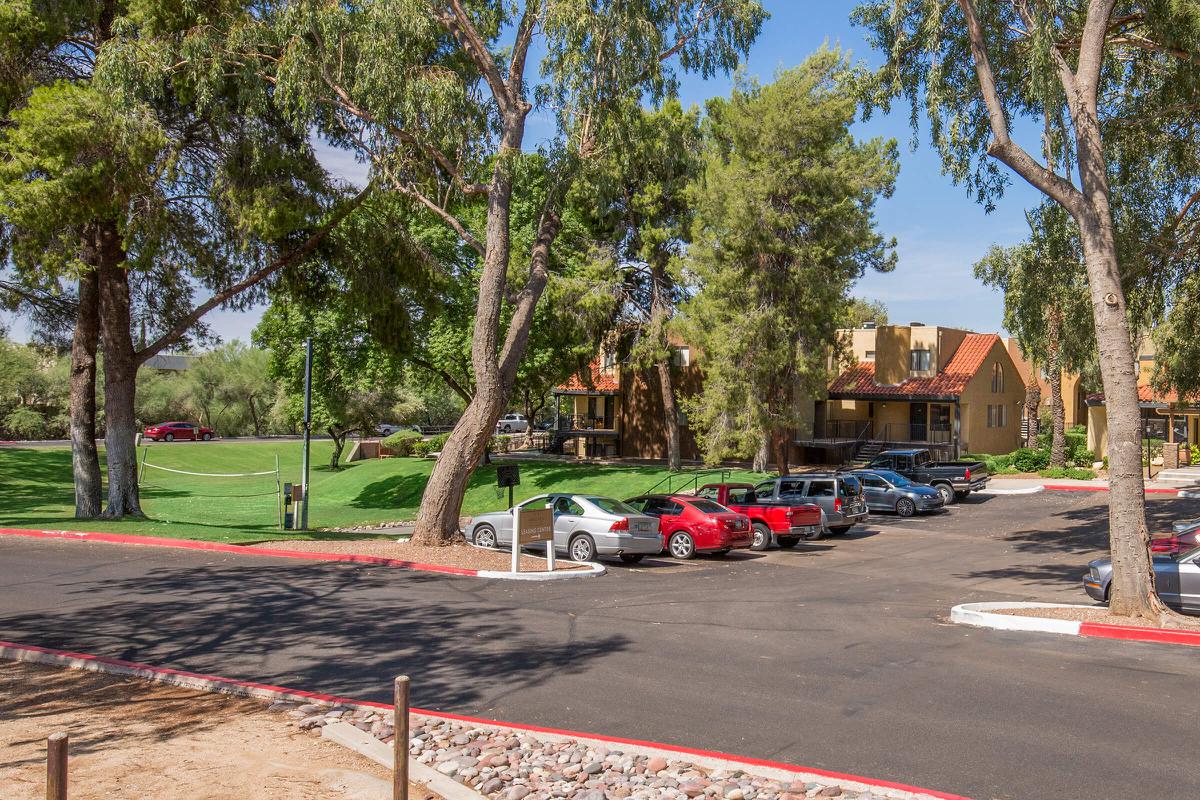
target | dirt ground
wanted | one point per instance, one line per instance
(132, 739)
(462, 555)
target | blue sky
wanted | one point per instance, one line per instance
(941, 232)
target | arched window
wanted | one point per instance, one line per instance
(997, 378)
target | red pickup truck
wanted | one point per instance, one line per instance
(782, 523)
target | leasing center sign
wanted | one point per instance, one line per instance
(537, 525)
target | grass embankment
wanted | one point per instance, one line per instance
(36, 490)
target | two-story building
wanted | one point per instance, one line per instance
(950, 390)
(615, 410)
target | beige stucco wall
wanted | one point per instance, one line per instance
(1097, 433)
(977, 437)
(892, 354)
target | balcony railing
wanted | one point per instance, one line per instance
(923, 434)
(839, 430)
(583, 422)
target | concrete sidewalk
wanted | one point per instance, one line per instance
(1002, 485)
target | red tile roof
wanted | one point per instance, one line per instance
(859, 380)
(600, 381)
(1146, 394)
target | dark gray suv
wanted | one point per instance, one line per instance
(839, 494)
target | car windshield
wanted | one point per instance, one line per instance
(708, 506)
(1185, 555)
(611, 506)
(894, 478)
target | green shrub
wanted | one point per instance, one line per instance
(401, 442)
(420, 449)
(1074, 473)
(1083, 458)
(438, 443)
(1027, 460)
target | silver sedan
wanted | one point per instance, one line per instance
(1176, 578)
(585, 526)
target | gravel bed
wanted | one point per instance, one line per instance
(457, 555)
(515, 765)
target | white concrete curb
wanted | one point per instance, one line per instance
(593, 570)
(977, 614)
(1027, 490)
(365, 744)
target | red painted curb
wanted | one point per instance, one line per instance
(1135, 633)
(1060, 488)
(188, 544)
(328, 698)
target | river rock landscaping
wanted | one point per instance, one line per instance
(510, 764)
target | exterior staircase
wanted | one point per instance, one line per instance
(865, 454)
(1189, 474)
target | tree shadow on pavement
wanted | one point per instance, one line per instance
(338, 629)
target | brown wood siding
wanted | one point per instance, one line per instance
(643, 432)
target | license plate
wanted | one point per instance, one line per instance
(641, 526)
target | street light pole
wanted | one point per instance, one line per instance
(307, 430)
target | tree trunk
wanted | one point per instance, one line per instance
(120, 379)
(762, 455)
(1058, 439)
(1033, 402)
(339, 443)
(779, 439)
(254, 417)
(495, 367)
(670, 416)
(437, 521)
(85, 460)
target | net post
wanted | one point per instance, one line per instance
(278, 494)
(142, 471)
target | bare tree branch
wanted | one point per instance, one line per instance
(179, 329)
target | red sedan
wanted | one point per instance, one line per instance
(691, 525)
(177, 431)
(1178, 543)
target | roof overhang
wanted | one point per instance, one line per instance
(585, 392)
(920, 398)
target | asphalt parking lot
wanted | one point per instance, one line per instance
(834, 655)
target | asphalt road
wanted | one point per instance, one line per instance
(835, 655)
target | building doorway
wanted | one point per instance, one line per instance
(918, 422)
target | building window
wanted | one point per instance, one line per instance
(869, 355)
(997, 416)
(609, 359)
(920, 360)
(997, 379)
(681, 356)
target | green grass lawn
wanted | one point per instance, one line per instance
(36, 489)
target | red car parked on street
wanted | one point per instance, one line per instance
(691, 525)
(177, 431)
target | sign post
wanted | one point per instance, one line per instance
(532, 525)
(516, 543)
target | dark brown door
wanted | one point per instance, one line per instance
(918, 422)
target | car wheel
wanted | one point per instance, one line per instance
(788, 542)
(681, 545)
(841, 530)
(485, 536)
(947, 494)
(170, 437)
(207, 437)
(632, 558)
(905, 507)
(760, 537)
(506, 429)
(582, 548)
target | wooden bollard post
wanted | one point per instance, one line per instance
(400, 740)
(56, 766)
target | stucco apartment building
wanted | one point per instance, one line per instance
(950, 390)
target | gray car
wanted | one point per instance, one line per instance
(585, 526)
(890, 491)
(839, 495)
(1176, 578)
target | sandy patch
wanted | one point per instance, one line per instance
(134, 739)
(459, 555)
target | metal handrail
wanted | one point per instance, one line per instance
(694, 479)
